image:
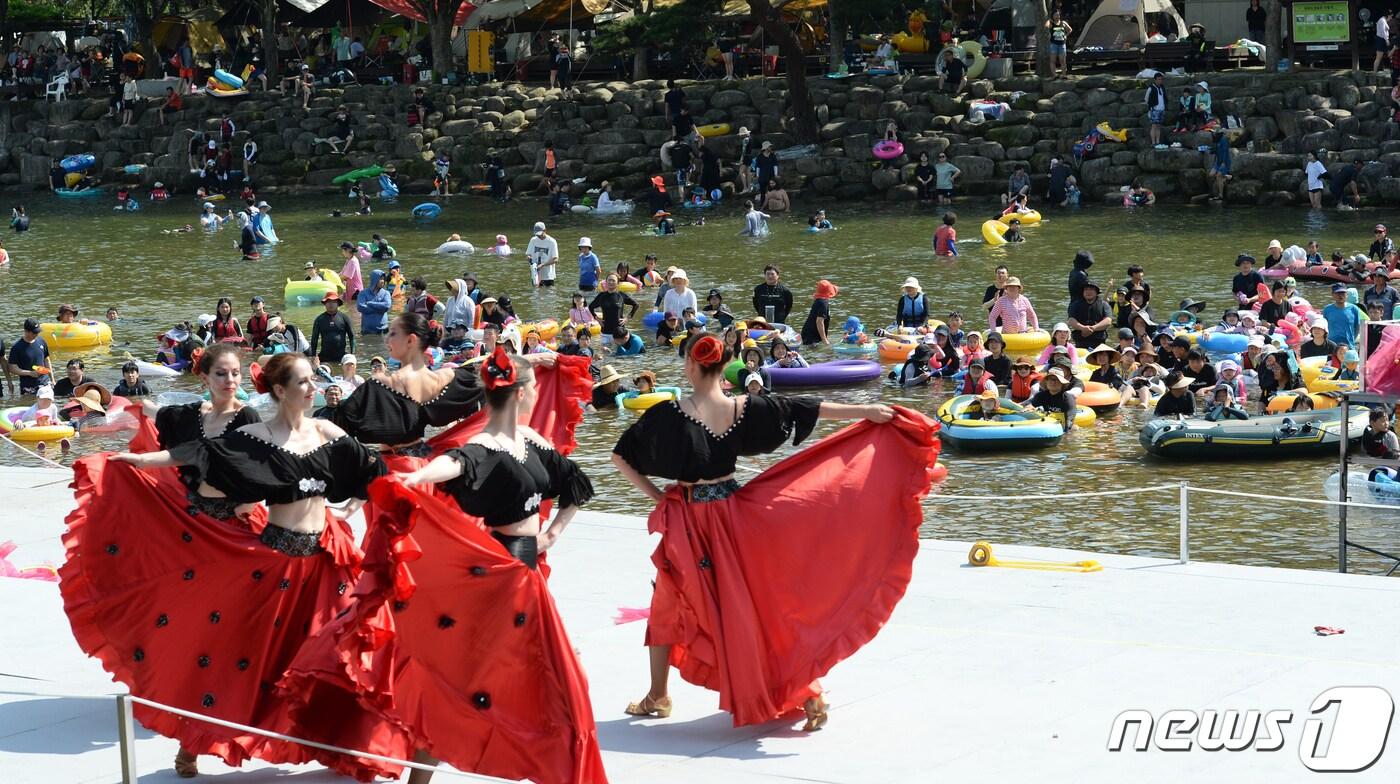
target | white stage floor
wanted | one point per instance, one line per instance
(982, 674)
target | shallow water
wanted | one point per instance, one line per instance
(82, 251)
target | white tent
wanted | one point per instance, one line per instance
(1126, 24)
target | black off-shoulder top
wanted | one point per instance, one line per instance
(246, 468)
(501, 490)
(176, 425)
(668, 443)
(378, 414)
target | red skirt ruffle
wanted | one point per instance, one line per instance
(198, 614)
(761, 593)
(457, 643)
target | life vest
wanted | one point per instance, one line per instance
(970, 387)
(226, 329)
(1021, 387)
(913, 311)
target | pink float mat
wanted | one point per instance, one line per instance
(46, 573)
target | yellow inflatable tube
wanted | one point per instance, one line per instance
(1026, 342)
(32, 433)
(594, 328)
(1083, 417)
(1282, 403)
(78, 334)
(993, 232)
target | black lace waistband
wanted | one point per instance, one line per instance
(420, 449)
(217, 508)
(716, 491)
(525, 548)
(293, 543)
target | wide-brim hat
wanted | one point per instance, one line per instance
(1192, 305)
(1182, 382)
(93, 396)
(609, 374)
(1103, 349)
(1059, 374)
(1013, 281)
(645, 374)
(911, 282)
(331, 296)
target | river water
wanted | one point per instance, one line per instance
(84, 252)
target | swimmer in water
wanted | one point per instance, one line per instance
(1013, 232)
(819, 221)
(502, 246)
(755, 221)
(186, 228)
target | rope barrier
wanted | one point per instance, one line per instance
(34, 454)
(1052, 496)
(311, 743)
(1316, 501)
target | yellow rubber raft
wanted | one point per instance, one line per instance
(78, 334)
(12, 431)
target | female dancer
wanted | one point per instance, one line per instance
(194, 613)
(730, 611)
(396, 410)
(219, 368)
(454, 636)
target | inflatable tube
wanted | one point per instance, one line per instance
(896, 349)
(993, 232)
(653, 320)
(634, 401)
(228, 78)
(69, 193)
(79, 334)
(732, 371)
(358, 174)
(1083, 417)
(1100, 397)
(613, 208)
(713, 129)
(78, 163)
(1311, 368)
(1016, 428)
(1030, 218)
(1282, 403)
(455, 246)
(856, 349)
(962, 51)
(1333, 385)
(9, 419)
(703, 204)
(594, 328)
(1223, 342)
(133, 168)
(887, 150)
(1026, 342)
(154, 369)
(781, 331)
(627, 286)
(427, 211)
(303, 293)
(833, 373)
(117, 418)
(547, 328)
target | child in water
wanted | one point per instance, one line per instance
(855, 332)
(819, 222)
(664, 224)
(1013, 232)
(502, 246)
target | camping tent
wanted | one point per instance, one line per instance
(1015, 18)
(1124, 24)
(205, 40)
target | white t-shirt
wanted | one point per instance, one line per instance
(540, 252)
(1315, 171)
(1383, 29)
(676, 303)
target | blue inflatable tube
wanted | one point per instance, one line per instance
(824, 374)
(77, 163)
(427, 211)
(653, 320)
(228, 78)
(1223, 342)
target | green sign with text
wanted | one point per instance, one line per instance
(1319, 23)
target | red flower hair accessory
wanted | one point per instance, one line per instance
(498, 370)
(708, 351)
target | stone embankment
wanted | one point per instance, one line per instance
(614, 130)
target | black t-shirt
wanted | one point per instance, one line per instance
(767, 165)
(1247, 285)
(26, 355)
(1205, 377)
(603, 399)
(779, 297)
(1058, 176)
(675, 101)
(1309, 348)
(56, 176)
(954, 69)
(1273, 312)
(680, 156)
(611, 304)
(1088, 314)
(821, 309)
(1342, 179)
(341, 129)
(64, 387)
(1171, 405)
(330, 336)
(923, 172)
(999, 368)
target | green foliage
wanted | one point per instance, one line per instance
(22, 11)
(677, 27)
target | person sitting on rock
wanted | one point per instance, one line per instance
(953, 78)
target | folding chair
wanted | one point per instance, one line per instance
(375, 58)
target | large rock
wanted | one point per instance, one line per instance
(1258, 166)
(1239, 191)
(725, 99)
(1169, 160)
(867, 95)
(1261, 128)
(883, 179)
(612, 153)
(974, 168)
(1345, 93)
(1013, 135)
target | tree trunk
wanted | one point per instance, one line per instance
(271, 56)
(5, 21)
(1042, 40)
(802, 121)
(836, 35)
(1273, 34)
(440, 33)
(639, 63)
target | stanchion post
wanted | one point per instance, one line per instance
(1183, 512)
(126, 738)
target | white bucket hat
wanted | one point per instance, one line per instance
(912, 282)
(585, 242)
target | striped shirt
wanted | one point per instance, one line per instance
(1017, 315)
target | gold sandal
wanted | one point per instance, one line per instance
(815, 708)
(661, 708)
(186, 765)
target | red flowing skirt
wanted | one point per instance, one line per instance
(763, 592)
(197, 613)
(457, 643)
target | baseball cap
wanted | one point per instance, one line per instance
(256, 301)
(349, 359)
(31, 325)
(1338, 288)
